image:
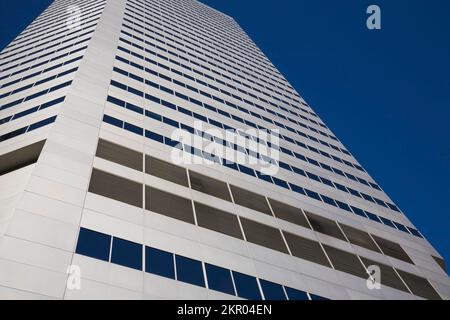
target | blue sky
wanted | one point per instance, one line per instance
(385, 94)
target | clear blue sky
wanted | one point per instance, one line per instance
(386, 94)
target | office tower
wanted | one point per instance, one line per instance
(99, 200)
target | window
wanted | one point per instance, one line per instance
(272, 291)
(392, 249)
(217, 220)
(346, 262)
(116, 188)
(263, 235)
(219, 279)
(315, 297)
(306, 249)
(190, 271)
(288, 213)
(440, 262)
(126, 253)
(93, 244)
(401, 227)
(159, 262)
(419, 286)
(359, 238)
(20, 158)
(388, 275)
(250, 200)
(294, 294)
(166, 171)
(169, 205)
(246, 286)
(387, 222)
(209, 186)
(118, 154)
(359, 212)
(325, 226)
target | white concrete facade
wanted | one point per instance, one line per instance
(43, 205)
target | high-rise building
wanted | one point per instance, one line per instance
(99, 198)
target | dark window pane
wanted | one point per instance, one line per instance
(217, 220)
(169, 205)
(250, 200)
(93, 244)
(315, 297)
(219, 279)
(419, 286)
(116, 188)
(272, 291)
(325, 226)
(190, 271)
(392, 249)
(440, 262)
(388, 275)
(209, 186)
(263, 235)
(20, 158)
(118, 154)
(294, 294)
(346, 262)
(159, 262)
(166, 171)
(246, 286)
(359, 238)
(306, 249)
(127, 253)
(288, 213)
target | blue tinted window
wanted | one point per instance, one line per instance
(415, 232)
(272, 291)
(401, 227)
(246, 286)
(219, 279)
(113, 121)
(116, 101)
(387, 222)
(134, 108)
(393, 207)
(313, 194)
(41, 123)
(127, 254)
(264, 177)
(159, 262)
(358, 212)
(297, 189)
(367, 197)
(132, 128)
(328, 200)
(190, 271)
(154, 136)
(343, 206)
(316, 297)
(354, 192)
(13, 134)
(340, 187)
(280, 183)
(93, 244)
(372, 216)
(299, 171)
(294, 294)
(246, 170)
